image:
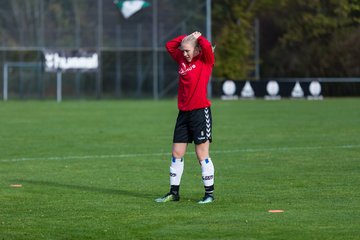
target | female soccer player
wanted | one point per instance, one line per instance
(195, 57)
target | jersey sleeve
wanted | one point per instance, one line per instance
(172, 47)
(208, 54)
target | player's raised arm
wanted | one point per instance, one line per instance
(208, 53)
(172, 47)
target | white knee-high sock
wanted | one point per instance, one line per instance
(176, 171)
(207, 168)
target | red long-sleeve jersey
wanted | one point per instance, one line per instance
(193, 76)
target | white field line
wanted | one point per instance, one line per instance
(241, 150)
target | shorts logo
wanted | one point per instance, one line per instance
(208, 123)
(172, 174)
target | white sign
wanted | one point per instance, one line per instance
(229, 89)
(297, 91)
(315, 91)
(273, 90)
(55, 61)
(247, 91)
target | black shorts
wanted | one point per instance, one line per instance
(193, 126)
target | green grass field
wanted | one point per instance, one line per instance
(92, 169)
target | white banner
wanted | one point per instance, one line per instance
(70, 60)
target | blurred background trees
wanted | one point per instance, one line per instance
(298, 38)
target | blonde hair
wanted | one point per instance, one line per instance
(193, 41)
(190, 39)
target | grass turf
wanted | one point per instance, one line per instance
(92, 169)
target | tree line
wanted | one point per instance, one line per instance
(298, 38)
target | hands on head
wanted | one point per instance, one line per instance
(196, 34)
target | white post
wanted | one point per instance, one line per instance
(257, 49)
(155, 53)
(208, 36)
(58, 85)
(5, 86)
(208, 20)
(99, 48)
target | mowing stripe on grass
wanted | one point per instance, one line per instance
(242, 150)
